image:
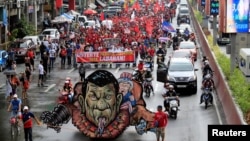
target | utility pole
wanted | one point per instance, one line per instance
(214, 29)
(35, 15)
(27, 11)
(233, 52)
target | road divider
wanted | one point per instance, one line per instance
(50, 87)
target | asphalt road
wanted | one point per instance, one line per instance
(191, 124)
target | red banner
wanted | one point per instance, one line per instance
(107, 57)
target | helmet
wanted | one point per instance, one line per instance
(68, 78)
(206, 62)
(171, 87)
(208, 76)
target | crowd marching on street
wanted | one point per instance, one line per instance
(138, 28)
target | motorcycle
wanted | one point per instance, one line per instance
(137, 76)
(149, 65)
(175, 45)
(147, 86)
(173, 107)
(65, 97)
(207, 97)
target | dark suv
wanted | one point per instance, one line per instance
(180, 73)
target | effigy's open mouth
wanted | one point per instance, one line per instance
(101, 124)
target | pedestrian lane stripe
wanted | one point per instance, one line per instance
(50, 87)
(2, 85)
(71, 70)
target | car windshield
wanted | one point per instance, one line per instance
(48, 32)
(181, 54)
(180, 66)
(23, 45)
(187, 46)
(184, 10)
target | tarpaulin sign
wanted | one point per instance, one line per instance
(107, 57)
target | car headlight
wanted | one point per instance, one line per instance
(170, 78)
(192, 78)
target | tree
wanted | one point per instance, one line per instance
(22, 29)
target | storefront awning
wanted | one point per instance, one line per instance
(101, 3)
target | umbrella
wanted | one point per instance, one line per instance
(89, 12)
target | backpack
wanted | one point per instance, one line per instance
(81, 70)
(63, 53)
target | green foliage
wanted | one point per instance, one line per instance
(198, 16)
(237, 81)
(22, 28)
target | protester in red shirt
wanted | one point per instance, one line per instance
(140, 66)
(31, 55)
(27, 123)
(151, 51)
(161, 121)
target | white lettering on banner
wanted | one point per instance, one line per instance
(87, 54)
(112, 58)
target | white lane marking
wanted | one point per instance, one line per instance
(117, 70)
(71, 70)
(216, 109)
(1, 86)
(50, 87)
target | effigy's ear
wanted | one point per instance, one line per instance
(81, 102)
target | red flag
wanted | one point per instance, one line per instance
(136, 6)
(59, 3)
(136, 28)
(156, 7)
(102, 16)
(149, 27)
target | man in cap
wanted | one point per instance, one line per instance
(27, 123)
(15, 106)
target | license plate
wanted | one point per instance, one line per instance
(181, 86)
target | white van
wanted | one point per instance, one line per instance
(36, 41)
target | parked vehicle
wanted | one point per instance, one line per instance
(52, 32)
(3, 59)
(20, 47)
(36, 41)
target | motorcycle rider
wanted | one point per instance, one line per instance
(175, 41)
(168, 96)
(210, 94)
(186, 34)
(192, 37)
(68, 89)
(206, 69)
(207, 82)
(160, 53)
(148, 78)
(140, 68)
